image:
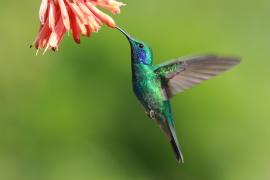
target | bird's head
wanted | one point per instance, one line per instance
(141, 53)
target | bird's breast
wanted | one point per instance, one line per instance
(147, 88)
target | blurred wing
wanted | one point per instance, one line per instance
(184, 73)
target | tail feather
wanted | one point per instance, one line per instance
(175, 145)
(166, 123)
(168, 128)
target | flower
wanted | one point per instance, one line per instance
(81, 17)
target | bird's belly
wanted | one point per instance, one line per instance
(149, 94)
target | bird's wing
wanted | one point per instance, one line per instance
(183, 73)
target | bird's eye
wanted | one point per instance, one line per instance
(141, 45)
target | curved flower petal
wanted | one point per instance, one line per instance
(52, 15)
(64, 14)
(101, 15)
(42, 11)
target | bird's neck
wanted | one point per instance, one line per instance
(141, 70)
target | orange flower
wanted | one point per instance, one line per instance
(81, 17)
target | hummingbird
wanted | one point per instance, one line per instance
(155, 85)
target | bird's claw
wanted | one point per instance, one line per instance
(151, 114)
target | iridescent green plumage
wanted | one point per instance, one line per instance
(155, 85)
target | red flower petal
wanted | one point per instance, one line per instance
(74, 27)
(57, 35)
(101, 15)
(43, 35)
(77, 11)
(52, 15)
(42, 11)
(64, 14)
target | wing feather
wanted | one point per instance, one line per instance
(184, 73)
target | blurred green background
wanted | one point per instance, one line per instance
(72, 114)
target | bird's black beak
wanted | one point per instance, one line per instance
(125, 33)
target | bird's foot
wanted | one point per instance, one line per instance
(150, 114)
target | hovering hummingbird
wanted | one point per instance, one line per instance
(155, 85)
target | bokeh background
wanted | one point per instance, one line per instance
(72, 115)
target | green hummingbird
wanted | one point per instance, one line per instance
(154, 85)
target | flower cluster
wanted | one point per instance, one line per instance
(81, 17)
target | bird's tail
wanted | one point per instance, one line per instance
(167, 126)
(166, 123)
(175, 145)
